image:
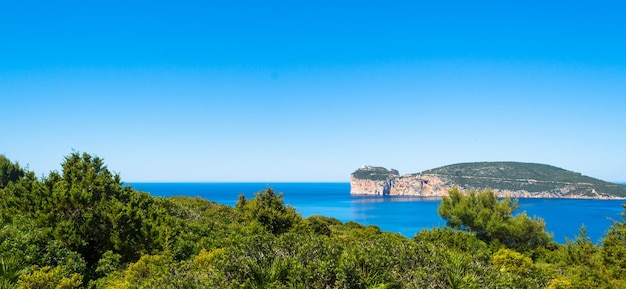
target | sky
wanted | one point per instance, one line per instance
(308, 91)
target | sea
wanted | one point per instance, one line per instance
(397, 214)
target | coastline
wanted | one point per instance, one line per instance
(430, 197)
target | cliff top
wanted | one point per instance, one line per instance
(374, 173)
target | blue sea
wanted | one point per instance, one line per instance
(404, 215)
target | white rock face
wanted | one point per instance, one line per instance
(369, 187)
(379, 181)
(375, 181)
(420, 185)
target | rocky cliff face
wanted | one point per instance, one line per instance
(395, 185)
(369, 187)
(379, 181)
(369, 180)
(382, 182)
(420, 185)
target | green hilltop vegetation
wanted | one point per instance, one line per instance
(530, 177)
(374, 173)
(83, 227)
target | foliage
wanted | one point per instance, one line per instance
(492, 220)
(83, 228)
(10, 270)
(320, 224)
(454, 240)
(513, 265)
(9, 172)
(613, 249)
(50, 278)
(268, 210)
(560, 283)
(374, 173)
(582, 265)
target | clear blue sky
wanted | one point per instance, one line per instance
(293, 91)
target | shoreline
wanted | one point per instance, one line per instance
(512, 197)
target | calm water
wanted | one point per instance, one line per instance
(405, 215)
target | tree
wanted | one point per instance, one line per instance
(78, 204)
(492, 220)
(614, 247)
(267, 208)
(88, 209)
(9, 172)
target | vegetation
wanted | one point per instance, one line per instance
(374, 173)
(83, 228)
(530, 177)
(492, 220)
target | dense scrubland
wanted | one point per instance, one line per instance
(83, 228)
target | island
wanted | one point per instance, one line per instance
(513, 179)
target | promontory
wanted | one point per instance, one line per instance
(513, 179)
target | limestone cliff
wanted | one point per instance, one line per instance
(420, 185)
(369, 180)
(519, 180)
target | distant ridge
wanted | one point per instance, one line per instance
(515, 179)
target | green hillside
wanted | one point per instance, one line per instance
(516, 176)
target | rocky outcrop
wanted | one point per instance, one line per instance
(395, 185)
(420, 185)
(369, 180)
(379, 181)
